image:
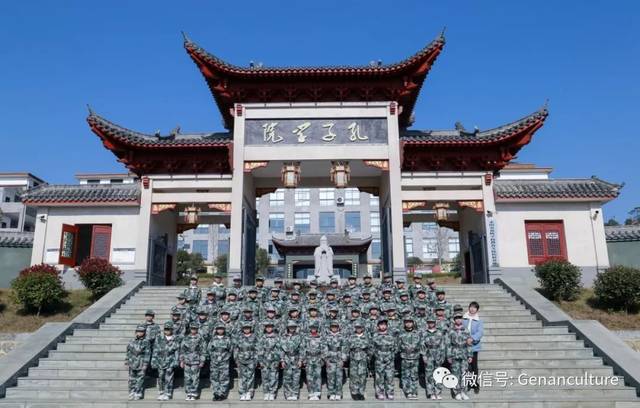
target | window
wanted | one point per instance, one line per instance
(202, 229)
(352, 196)
(430, 248)
(454, 247)
(327, 222)
(408, 246)
(545, 240)
(79, 242)
(408, 228)
(93, 181)
(201, 246)
(429, 226)
(117, 181)
(302, 222)
(276, 222)
(276, 199)
(352, 221)
(375, 249)
(273, 252)
(375, 221)
(327, 196)
(302, 197)
(223, 247)
(374, 201)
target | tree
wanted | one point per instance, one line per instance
(634, 216)
(612, 222)
(262, 260)
(188, 264)
(221, 264)
(414, 261)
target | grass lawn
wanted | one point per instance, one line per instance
(14, 320)
(585, 308)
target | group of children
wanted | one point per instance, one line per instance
(381, 329)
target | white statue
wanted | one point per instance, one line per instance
(323, 256)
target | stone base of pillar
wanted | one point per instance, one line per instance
(399, 273)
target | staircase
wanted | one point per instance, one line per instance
(87, 369)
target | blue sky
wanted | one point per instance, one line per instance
(502, 60)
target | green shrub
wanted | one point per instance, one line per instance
(618, 288)
(99, 276)
(559, 279)
(38, 288)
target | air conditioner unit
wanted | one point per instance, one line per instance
(340, 200)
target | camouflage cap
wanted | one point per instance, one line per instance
(149, 312)
(274, 289)
(211, 292)
(408, 318)
(420, 290)
(367, 277)
(312, 308)
(403, 293)
(355, 310)
(374, 307)
(218, 275)
(334, 323)
(294, 293)
(382, 321)
(292, 323)
(430, 281)
(457, 307)
(252, 290)
(194, 326)
(313, 283)
(417, 277)
(431, 318)
(358, 324)
(232, 293)
(312, 292)
(439, 307)
(352, 278)
(202, 311)
(333, 280)
(168, 325)
(247, 309)
(346, 294)
(314, 325)
(270, 309)
(390, 308)
(193, 277)
(175, 312)
(225, 311)
(237, 279)
(387, 290)
(330, 293)
(260, 278)
(365, 292)
(400, 280)
(221, 326)
(278, 280)
(268, 323)
(293, 309)
(181, 296)
(440, 291)
(457, 316)
(247, 324)
(141, 328)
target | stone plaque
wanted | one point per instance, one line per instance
(316, 131)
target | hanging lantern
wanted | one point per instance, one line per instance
(191, 214)
(340, 173)
(441, 211)
(291, 174)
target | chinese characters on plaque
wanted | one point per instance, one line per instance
(315, 131)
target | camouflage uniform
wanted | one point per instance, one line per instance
(205, 326)
(193, 294)
(312, 357)
(270, 357)
(409, 345)
(290, 348)
(459, 352)
(245, 356)
(219, 291)
(334, 355)
(165, 358)
(192, 355)
(433, 355)
(359, 351)
(183, 310)
(385, 346)
(211, 307)
(179, 325)
(137, 359)
(219, 352)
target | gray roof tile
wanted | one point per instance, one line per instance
(16, 239)
(592, 188)
(86, 193)
(622, 233)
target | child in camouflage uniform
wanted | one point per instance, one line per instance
(219, 352)
(334, 354)
(138, 356)
(270, 358)
(433, 355)
(385, 346)
(409, 345)
(358, 352)
(290, 350)
(165, 358)
(192, 358)
(459, 353)
(245, 356)
(193, 295)
(312, 360)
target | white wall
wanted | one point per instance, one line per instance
(583, 228)
(124, 232)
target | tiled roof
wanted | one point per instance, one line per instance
(463, 136)
(104, 128)
(201, 54)
(581, 189)
(16, 239)
(622, 233)
(85, 193)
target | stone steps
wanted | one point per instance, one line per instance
(87, 369)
